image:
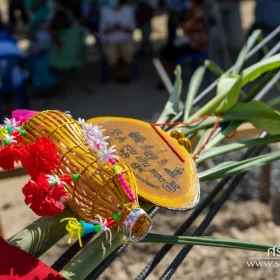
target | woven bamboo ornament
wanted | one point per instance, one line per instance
(97, 191)
(75, 162)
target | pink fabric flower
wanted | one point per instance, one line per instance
(22, 116)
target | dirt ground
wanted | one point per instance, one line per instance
(251, 221)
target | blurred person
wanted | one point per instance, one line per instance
(232, 24)
(5, 29)
(73, 6)
(39, 12)
(90, 11)
(16, 5)
(117, 23)
(267, 15)
(67, 42)
(194, 39)
(177, 11)
(144, 13)
(43, 78)
(12, 72)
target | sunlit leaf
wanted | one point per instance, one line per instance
(256, 70)
(221, 150)
(195, 83)
(213, 67)
(228, 169)
(259, 114)
(206, 241)
(244, 51)
(229, 87)
(172, 106)
(228, 90)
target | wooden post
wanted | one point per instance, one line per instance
(265, 180)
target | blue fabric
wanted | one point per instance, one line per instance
(41, 74)
(178, 5)
(40, 16)
(85, 7)
(267, 11)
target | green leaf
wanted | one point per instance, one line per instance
(256, 70)
(202, 139)
(223, 134)
(172, 106)
(244, 51)
(195, 83)
(259, 86)
(274, 102)
(41, 235)
(95, 252)
(253, 110)
(206, 241)
(229, 87)
(213, 67)
(217, 151)
(259, 114)
(227, 94)
(228, 169)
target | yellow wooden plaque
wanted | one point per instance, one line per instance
(163, 178)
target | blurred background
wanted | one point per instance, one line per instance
(90, 56)
(116, 58)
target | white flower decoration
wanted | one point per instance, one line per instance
(53, 180)
(93, 142)
(82, 122)
(10, 139)
(68, 113)
(11, 122)
(95, 131)
(105, 154)
(104, 228)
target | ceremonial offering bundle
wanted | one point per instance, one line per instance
(98, 168)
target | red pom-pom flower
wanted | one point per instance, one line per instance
(44, 199)
(40, 156)
(8, 157)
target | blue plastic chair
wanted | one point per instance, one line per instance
(195, 58)
(105, 71)
(8, 84)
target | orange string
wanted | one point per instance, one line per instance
(187, 124)
(168, 143)
(232, 135)
(195, 155)
(184, 123)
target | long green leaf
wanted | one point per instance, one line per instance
(202, 139)
(244, 51)
(94, 253)
(217, 151)
(274, 102)
(259, 86)
(228, 86)
(228, 90)
(91, 256)
(256, 70)
(223, 134)
(207, 241)
(213, 67)
(259, 114)
(195, 83)
(172, 106)
(40, 236)
(228, 169)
